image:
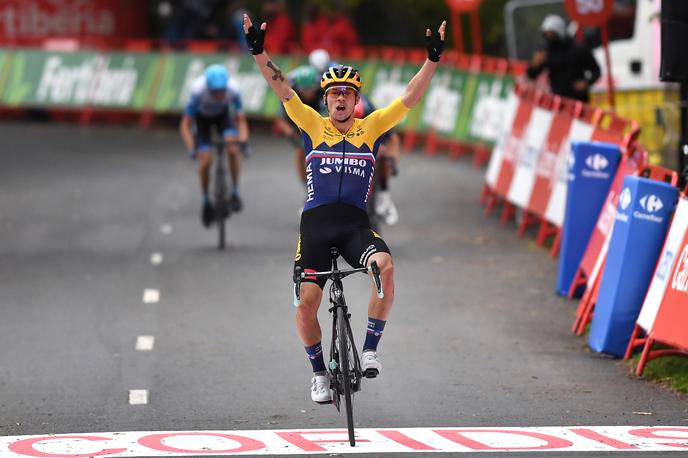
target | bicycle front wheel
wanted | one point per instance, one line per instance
(220, 204)
(344, 355)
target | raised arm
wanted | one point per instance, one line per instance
(421, 80)
(272, 74)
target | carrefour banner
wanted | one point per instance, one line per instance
(459, 105)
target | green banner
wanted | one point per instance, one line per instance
(115, 80)
(4, 70)
(444, 103)
(180, 70)
(491, 90)
(388, 83)
(459, 105)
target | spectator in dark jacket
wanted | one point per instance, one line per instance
(571, 67)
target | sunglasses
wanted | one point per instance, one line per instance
(346, 91)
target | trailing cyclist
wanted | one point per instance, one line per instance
(341, 153)
(215, 103)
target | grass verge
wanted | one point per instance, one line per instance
(671, 371)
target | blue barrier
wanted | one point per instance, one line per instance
(643, 216)
(590, 178)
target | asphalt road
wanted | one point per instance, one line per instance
(476, 338)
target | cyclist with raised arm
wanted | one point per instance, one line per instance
(340, 161)
(215, 103)
(305, 80)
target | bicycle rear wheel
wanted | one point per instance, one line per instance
(220, 203)
(344, 359)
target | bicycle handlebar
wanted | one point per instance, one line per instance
(299, 275)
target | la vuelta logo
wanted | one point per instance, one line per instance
(680, 280)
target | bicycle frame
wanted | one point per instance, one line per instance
(220, 190)
(344, 367)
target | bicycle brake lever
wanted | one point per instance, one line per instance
(375, 270)
(297, 286)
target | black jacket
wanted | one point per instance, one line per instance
(568, 61)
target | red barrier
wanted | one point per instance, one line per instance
(669, 326)
(544, 170)
(581, 129)
(511, 146)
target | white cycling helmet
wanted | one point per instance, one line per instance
(320, 59)
(554, 23)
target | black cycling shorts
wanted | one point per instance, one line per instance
(335, 225)
(204, 126)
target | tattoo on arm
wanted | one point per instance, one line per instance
(277, 71)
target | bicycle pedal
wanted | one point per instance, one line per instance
(370, 373)
(324, 403)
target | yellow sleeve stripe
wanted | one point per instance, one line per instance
(380, 121)
(305, 117)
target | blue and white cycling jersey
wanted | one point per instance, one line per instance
(201, 101)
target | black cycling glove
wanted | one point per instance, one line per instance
(255, 39)
(435, 46)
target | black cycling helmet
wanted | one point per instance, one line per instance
(342, 75)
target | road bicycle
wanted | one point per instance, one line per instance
(344, 367)
(221, 207)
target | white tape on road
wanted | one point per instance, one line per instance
(151, 296)
(156, 259)
(379, 441)
(145, 343)
(138, 397)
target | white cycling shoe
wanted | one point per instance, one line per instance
(384, 206)
(370, 364)
(320, 389)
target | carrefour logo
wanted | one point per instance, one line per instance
(596, 166)
(597, 162)
(651, 203)
(625, 199)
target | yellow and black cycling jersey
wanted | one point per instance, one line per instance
(340, 167)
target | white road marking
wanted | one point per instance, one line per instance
(151, 296)
(156, 259)
(166, 229)
(138, 397)
(145, 343)
(374, 441)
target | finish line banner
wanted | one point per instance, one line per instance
(368, 440)
(461, 104)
